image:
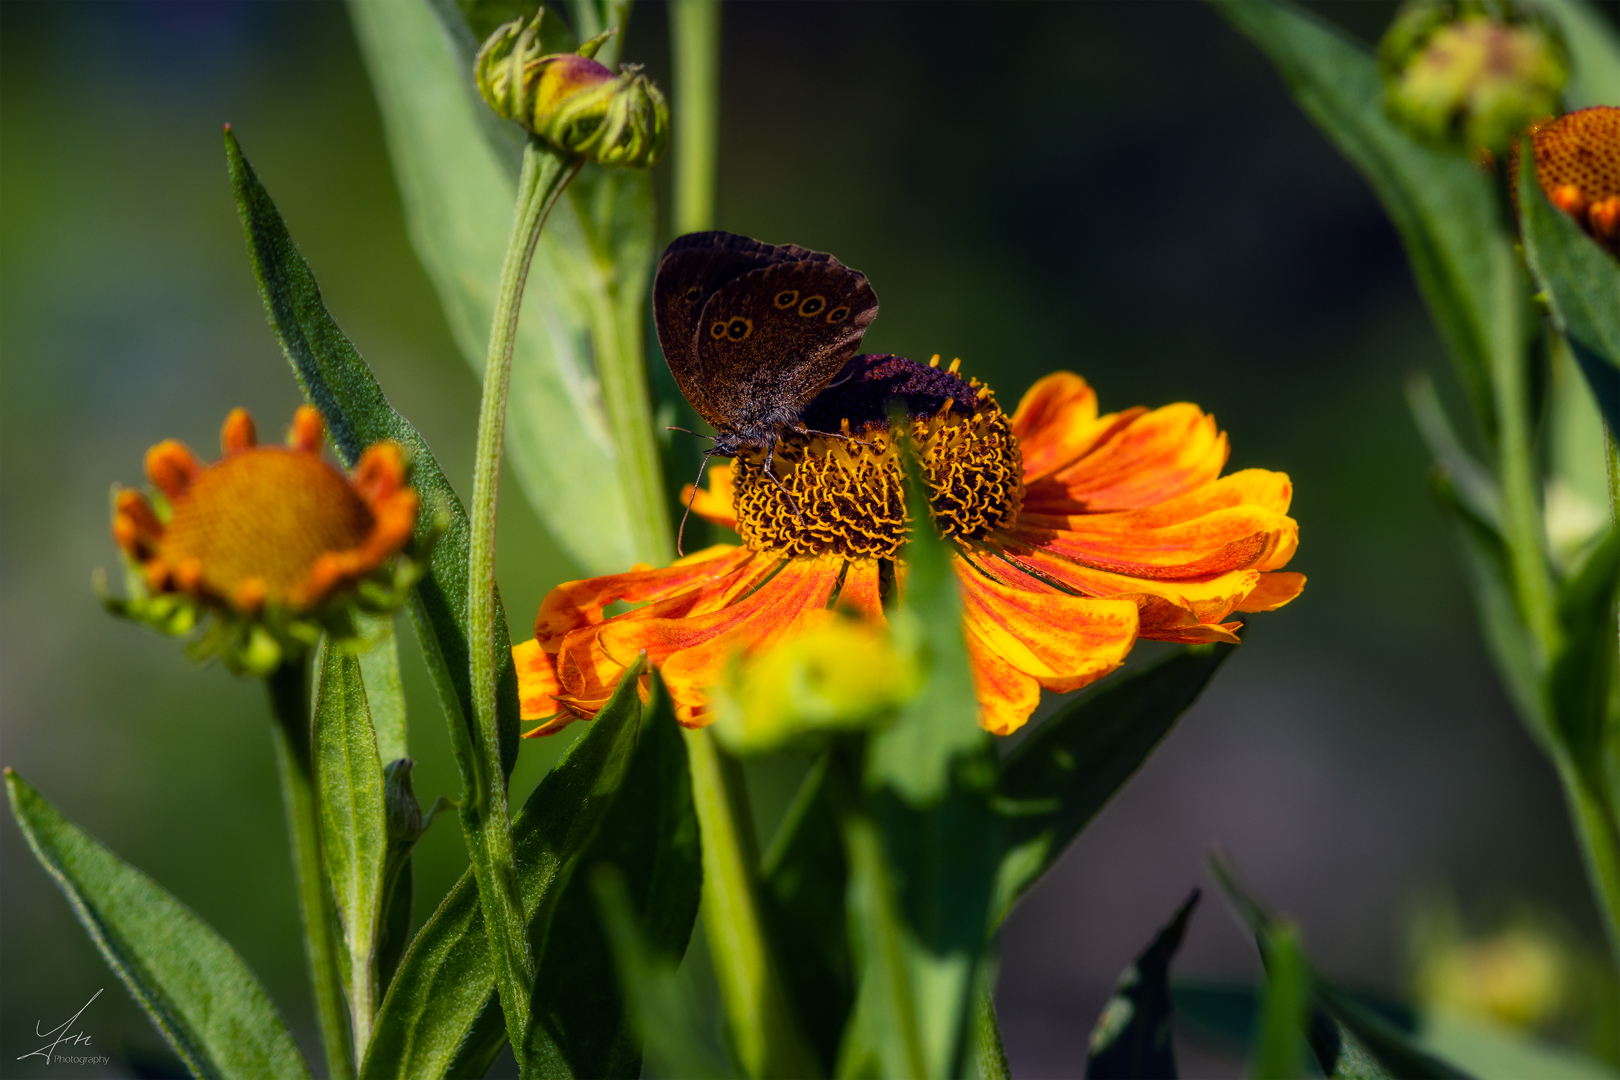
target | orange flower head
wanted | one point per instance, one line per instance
(1578, 167)
(1076, 534)
(263, 529)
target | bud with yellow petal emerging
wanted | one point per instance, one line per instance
(570, 100)
(1470, 74)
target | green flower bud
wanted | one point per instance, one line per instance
(1470, 75)
(570, 100)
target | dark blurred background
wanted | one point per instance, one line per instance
(1124, 190)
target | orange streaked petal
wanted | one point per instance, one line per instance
(308, 430)
(171, 466)
(1248, 487)
(1157, 456)
(537, 681)
(575, 604)
(715, 502)
(380, 471)
(238, 434)
(861, 593)
(1054, 422)
(1238, 537)
(1006, 695)
(1208, 599)
(1200, 634)
(1273, 591)
(1063, 641)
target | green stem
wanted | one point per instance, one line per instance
(695, 27)
(485, 817)
(988, 1048)
(289, 705)
(1600, 845)
(762, 1031)
(621, 366)
(1522, 525)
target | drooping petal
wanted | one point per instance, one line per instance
(1273, 591)
(1006, 695)
(1063, 641)
(1157, 456)
(861, 591)
(537, 681)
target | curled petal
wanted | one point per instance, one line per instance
(1157, 456)
(537, 682)
(576, 604)
(1007, 696)
(171, 466)
(238, 434)
(1272, 591)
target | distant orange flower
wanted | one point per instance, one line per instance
(265, 525)
(1076, 534)
(1578, 167)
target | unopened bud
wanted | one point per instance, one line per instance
(1470, 75)
(570, 100)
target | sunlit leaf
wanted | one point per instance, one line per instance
(337, 381)
(199, 993)
(458, 180)
(354, 841)
(1131, 1038)
(1280, 1046)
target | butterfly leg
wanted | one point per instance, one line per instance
(770, 471)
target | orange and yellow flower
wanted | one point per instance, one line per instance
(1077, 534)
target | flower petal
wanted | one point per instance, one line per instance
(861, 591)
(537, 681)
(1273, 591)
(1006, 695)
(1063, 641)
(715, 503)
(1057, 422)
(575, 604)
(1233, 538)
(1157, 456)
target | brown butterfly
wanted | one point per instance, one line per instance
(753, 332)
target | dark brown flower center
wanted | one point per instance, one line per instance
(843, 490)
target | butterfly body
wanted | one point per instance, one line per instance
(753, 332)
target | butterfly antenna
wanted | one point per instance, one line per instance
(673, 427)
(680, 534)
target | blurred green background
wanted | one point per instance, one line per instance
(1124, 190)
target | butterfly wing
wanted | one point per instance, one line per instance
(770, 339)
(693, 268)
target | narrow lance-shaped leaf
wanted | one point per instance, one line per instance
(349, 792)
(1582, 284)
(385, 696)
(1441, 204)
(1280, 1049)
(457, 173)
(202, 997)
(337, 381)
(1132, 1035)
(440, 1017)
(1054, 783)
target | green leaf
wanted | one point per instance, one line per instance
(456, 166)
(661, 1004)
(379, 668)
(1441, 204)
(1582, 284)
(199, 993)
(1471, 481)
(1227, 1013)
(803, 881)
(354, 840)
(1497, 1053)
(1506, 637)
(1581, 678)
(650, 840)
(1395, 1050)
(1132, 1035)
(1595, 48)
(1280, 1053)
(914, 754)
(336, 380)
(1054, 783)
(440, 1017)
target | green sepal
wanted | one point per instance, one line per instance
(1132, 1033)
(1057, 780)
(208, 1006)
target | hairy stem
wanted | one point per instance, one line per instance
(695, 27)
(485, 816)
(289, 705)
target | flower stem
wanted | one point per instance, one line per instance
(989, 1052)
(621, 367)
(485, 818)
(762, 1031)
(289, 705)
(695, 26)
